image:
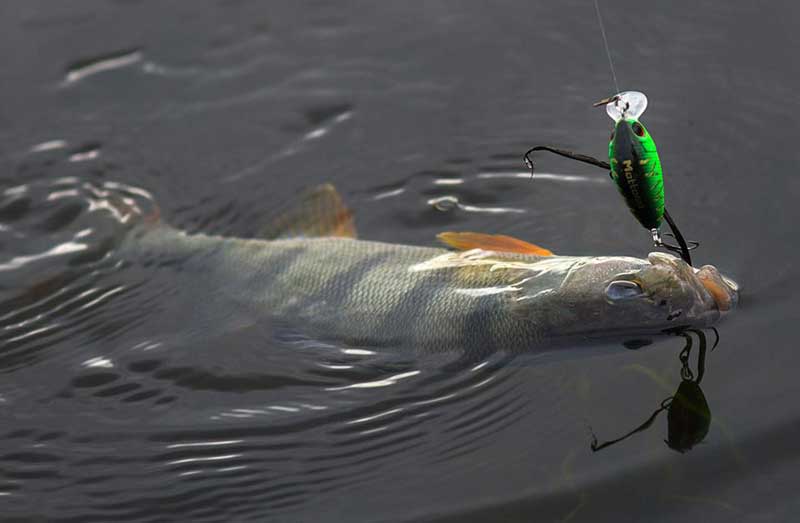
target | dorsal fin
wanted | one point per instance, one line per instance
(464, 241)
(319, 212)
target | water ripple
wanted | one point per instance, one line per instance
(87, 67)
(51, 282)
(198, 420)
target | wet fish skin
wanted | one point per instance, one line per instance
(374, 294)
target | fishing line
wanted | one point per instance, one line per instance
(605, 41)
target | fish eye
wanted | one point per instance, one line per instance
(638, 129)
(620, 290)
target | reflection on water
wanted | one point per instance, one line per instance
(688, 413)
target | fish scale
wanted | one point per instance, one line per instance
(363, 293)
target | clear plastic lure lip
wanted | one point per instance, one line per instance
(627, 104)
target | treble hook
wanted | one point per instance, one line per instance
(566, 154)
(683, 247)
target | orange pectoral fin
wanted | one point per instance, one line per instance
(464, 241)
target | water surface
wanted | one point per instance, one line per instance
(214, 114)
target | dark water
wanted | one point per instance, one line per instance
(216, 113)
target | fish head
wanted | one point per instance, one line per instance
(606, 296)
(668, 293)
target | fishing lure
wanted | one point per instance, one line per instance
(634, 167)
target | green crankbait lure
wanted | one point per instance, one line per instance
(634, 166)
(633, 159)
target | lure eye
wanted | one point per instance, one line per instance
(638, 129)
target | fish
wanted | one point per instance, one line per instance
(485, 293)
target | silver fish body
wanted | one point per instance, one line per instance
(374, 294)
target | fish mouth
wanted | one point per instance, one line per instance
(722, 291)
